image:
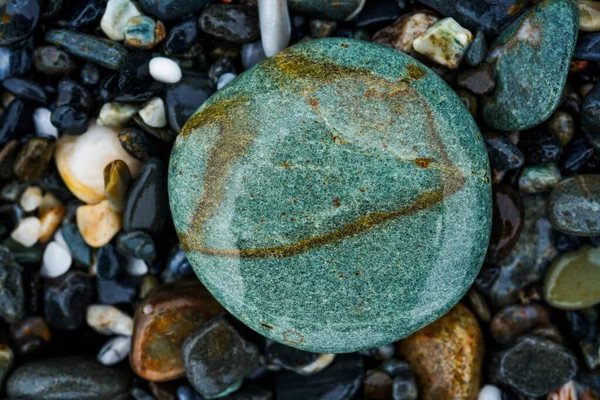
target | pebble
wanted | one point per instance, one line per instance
(178, 266)
(182, 36)
(115, 18)
(70, 120)
(33, 159)
(168, 10)
(252, 54)
(153, 113)
(90, 74)
(539, 178)
(576, 155)
(562, 126)
(114, 351)
(540, 147)
(179, 309)
(109, 320)
(27, 90)
(109, 263)
(56, 261)
(479, 80)
(533, 366)
(116, 115)
(235, 23)
(342, 10)
(66, 299)
(446, 356)
(7, 359)
(574, 205)
(275, 25)
(572, 281)
(445, 43)
(380, 13)
(384, 352)
(531, 60)
(8, 155)
(81, 160)
(404, 387)
(137, 143)
(478, 50)
(49, 221)
(143, 32)
(512, 321)
(321, 28)
(504, 155)
(98, 223)
(70, 378)
(117, 179)
(225, 79)
(121, 290)
(147, 206)
(590, 116)
(490, 392)
(507, 222)
(12, 293)
(340, 380)
(589, 15)
(137, 244)
(301, 362)
(52, 61)
(27, 232)
(31, 198)
(104, 52)
(85, 15)
(377, 385)
(16, 59)
(19, 19)
(165, 70)
(215, 348)
(78, 248)
(136, 267)
(588, 47)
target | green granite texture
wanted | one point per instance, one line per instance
(334, 197)
(531, 60)
(336, 10)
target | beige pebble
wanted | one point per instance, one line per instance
(98, 223)
(31, 198)
(27, 232)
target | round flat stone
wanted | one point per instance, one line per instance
(334, 197)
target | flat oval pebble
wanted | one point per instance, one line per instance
(531, 61)
(574, 205)
(348, 223)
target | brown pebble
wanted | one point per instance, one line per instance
(479, 80)
(512, 321)
(377, 385)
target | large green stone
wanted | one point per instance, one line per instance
(334, 197)
(531, 60)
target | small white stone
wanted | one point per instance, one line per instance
(42, 124)
(31, 198)
(60, 239)
(136, 266)
(445, 43)
(165, 70)
(115, 350)
(275, 26)
(225, 79)
(489, 392)
(27, 232)
(153, 113)
(109, 320)
(115, 17)
(322, 362)
(56, 261)
(116, 115)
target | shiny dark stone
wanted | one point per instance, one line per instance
(217, 357)
(81, 252)
(66, 299)
(72, 378)
(30, 334)
(234, 23)
(138, 143)
(578, 327)
(9, 120)
(12, 295)
(477, 51)
(590, 116)
(250, 392)
(178, 266)
(222, 66)
(90, 75)
(165, 10)
(140, 394)
(123, 290)
(183, 98)
(540, 147)
(52, 182)
(10, 216)
(488, 16)
(507, 222)
(73, 94)
(288, 357)
(588, 47)
(182, 36)
(479, 80)
(504, 155)
(377, 385)
(565, 243)
(575, 155)
(341, 380)
(8, 155)
(378, 13)
(26, 90)
(186, 392)
(110, 263)
(19, 18)
(33, 159)
(514, 320)
(85, 14)
(134, 71)
(50, 8)
(405, 388)
(70, 120)
(16, 59)
(136, 244)
(147, 206)
(24, 255)
(52, 61)
(163, 134)
(533, 366)
(140, 95)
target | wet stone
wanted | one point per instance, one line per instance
(479, 80)
(66, 299)
(8, 155)
(234, 23)
(589, 15)
(136, 244)
(574, 205)
(504, 155)
(379, 13)
(377, 385)
(512, 321)
(305, 78)
(70, 120)
(172, 9)
(122, 290)
(320, 28)
(444, 43)
(138, 143)
(117, 179)
(527, 92)
(562, 125)
(73, 378)
(539, 178)
(98, 223)
(384, 352)
(109, 264)
(301, 362)
(19, 19)
(79, 249)
(33, 159)
(588, 47)
(27, 90)
(178, 266)
(9, 120)
(507, 222)
(90, 75)
(85, 14)
(533, 366)
(17, 59)
(590, 116)
(52, 61)
(143, 32)
(116, 16)
(12, 294)
(252, 54)
(576, 155)
(7, 358)
(182, 36)
(216, 357)
(540, 147)
(477, 51)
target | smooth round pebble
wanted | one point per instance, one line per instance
(115, 350)
(31, 198)
(165, 70)
(56, 260)
(490, 392)
(109, 320)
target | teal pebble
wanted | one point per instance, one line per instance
(334, 197)
(140, 32)
(531, 60)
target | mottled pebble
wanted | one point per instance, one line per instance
(109, 320)
(445, 43)
(98, 223)
(574, 205)
(539, 178)
(12, 294)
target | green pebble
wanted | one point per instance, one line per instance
(539, 178)
(334, 197)
(139, 32)
(531, 60)
(573, 281)
(574, 206)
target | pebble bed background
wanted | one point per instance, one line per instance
(97, 299)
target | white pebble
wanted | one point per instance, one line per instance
(153, 113)
(115, 17)
(116, 115)
(489, 392)
(42, 124)
(275, 26)
(56, 260)
(27, 232)
(225, 79)
(165, 70)
(109, 320)
(31, 198)
(60, 239)
(115, 350)
(445, 43)
(322, 362)
(136, 266)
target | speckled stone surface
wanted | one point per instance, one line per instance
(531, 61)
(334, 197)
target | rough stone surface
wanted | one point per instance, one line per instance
(297, 219)
(574, 206)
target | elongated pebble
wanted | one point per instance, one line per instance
(109, 320)
(27, 232)
(275, 27)
(115, 350)
(56, 261)
(165, 70)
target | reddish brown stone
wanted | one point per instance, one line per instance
(377, 385)
(507, 222)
